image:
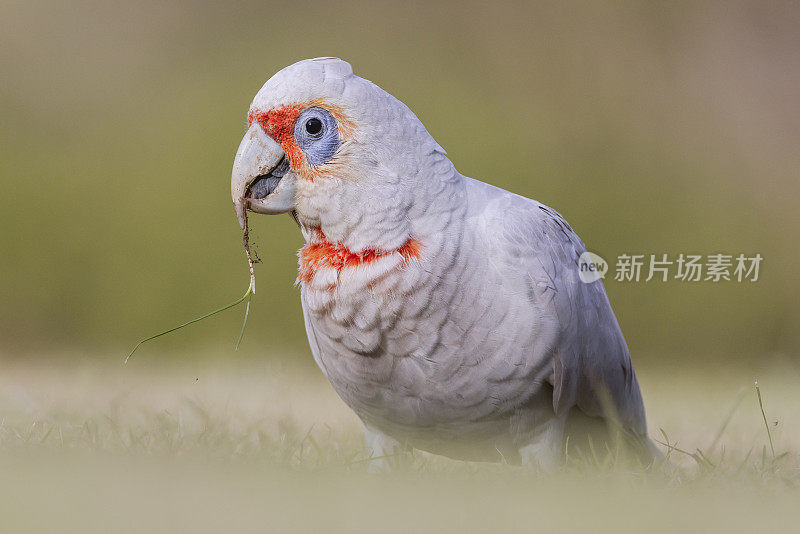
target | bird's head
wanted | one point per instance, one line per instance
(342, 154)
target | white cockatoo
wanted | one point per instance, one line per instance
(447, 313)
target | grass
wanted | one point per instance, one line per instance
(270, 448)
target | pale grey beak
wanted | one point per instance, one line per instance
(261, 180)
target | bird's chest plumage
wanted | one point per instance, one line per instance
(420, 344)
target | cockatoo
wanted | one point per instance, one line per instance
(447, 313)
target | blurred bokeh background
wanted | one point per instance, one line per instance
(653, 127)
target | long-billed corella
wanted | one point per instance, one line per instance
(447, 313)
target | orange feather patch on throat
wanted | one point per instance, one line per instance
(321, 253)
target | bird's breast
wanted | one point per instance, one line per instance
(419, 342)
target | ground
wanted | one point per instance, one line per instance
(236, 446)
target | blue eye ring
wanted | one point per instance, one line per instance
(316, 133)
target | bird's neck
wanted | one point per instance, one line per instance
(390, 232)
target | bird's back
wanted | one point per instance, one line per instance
(535, 249)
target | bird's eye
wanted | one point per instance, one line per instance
(317, 135)
(314, 126)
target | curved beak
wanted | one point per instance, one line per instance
(261, 180)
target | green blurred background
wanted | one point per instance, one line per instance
(653, 127)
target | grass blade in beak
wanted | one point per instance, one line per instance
(244, 323)
(251, 289)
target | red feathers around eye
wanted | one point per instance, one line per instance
(278, 123)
